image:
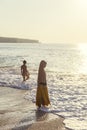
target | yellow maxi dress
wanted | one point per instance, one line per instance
(42, 97)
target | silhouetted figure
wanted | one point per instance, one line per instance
(42, 97)
(24, 71)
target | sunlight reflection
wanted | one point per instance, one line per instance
(83, 50)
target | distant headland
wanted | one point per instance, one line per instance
(17, 40)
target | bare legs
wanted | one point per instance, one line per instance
(25, 77)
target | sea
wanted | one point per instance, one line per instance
(66, 73)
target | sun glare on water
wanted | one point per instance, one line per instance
(83, 48)
(83, 53)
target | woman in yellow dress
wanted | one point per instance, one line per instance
(42, 97)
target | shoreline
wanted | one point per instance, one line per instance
(17, 113)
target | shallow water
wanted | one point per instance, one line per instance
(17, 113)
(66, 76)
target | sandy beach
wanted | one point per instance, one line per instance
(17, 113)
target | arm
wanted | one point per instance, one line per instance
(41, 77)
(21, 70)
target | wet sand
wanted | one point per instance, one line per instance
(17, 113)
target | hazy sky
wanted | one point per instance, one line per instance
(45, 20)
